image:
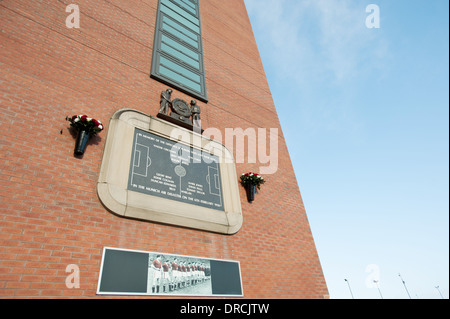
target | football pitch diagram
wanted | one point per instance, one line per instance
(161, 167)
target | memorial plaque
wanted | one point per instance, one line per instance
(153, 170)
(164, 168)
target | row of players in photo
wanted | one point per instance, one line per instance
(167, 275)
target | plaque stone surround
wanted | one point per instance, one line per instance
(156, 171)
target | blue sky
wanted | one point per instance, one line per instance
(365, 113)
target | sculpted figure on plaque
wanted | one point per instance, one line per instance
(166, 101)
(195, 109)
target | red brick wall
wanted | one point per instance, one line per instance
(50, 215)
